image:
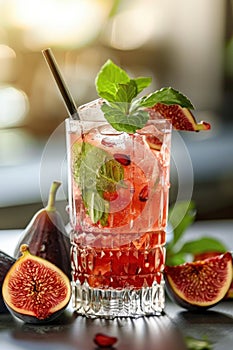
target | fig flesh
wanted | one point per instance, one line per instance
(6, 261)
(35, 290)
(200, 284)
(208, 254)
(181, 118)
(46, 235)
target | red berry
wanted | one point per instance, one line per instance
(144, 194)
(122, 158)
(104, 341)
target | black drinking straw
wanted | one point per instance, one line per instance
(67, 98)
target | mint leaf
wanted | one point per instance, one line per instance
(121, 120)
(202, 245)
(126, 92)
(108, 80)
(110, 173)
(94, 204)
(177, 258)
(114, 85)
(142, 83)
(167, 96)
(95, 171)
(199, 246)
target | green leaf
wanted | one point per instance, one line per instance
(202, 245)
(109, 174)
(175, 259)
(181, 216)
(142, 83)
(126, 92)
(95, 171)
(115, 113)
(94, 204)
(121, 121)
(167, 96)
(115, 86)
(104, 218)
(197, 344)
(108, 80)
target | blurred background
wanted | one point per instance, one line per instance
(184, 44)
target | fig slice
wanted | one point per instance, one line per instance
(199, 284)
(34, 289)
(181, 118)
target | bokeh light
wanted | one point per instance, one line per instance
(13, 106)
(70, 23)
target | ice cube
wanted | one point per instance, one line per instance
(91, 111)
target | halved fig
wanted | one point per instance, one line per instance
(34, 289)
(181, 118)
(200, 284)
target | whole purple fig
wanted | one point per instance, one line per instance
(46, 235)
(6, 262)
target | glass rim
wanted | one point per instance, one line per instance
(159, 121)
(91, 112)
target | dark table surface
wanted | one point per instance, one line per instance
(167, 332)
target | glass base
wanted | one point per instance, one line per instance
(93, 302)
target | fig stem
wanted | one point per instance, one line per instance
(52, 196)
(24, 248)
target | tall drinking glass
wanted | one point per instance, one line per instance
(118, 202)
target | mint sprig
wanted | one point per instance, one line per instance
(96, 171)
(121, 108)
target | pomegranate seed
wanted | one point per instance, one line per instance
(144, 194)
(104, 341)
(122, 159)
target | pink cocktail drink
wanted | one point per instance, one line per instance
(118, 198)
(118, 172)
